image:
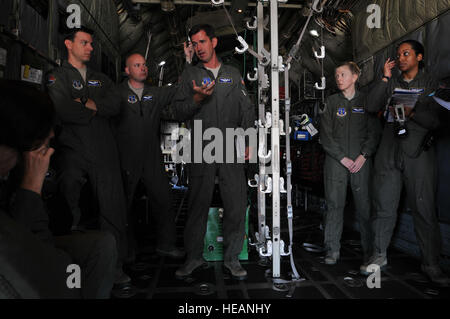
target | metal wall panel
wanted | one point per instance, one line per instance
(5, 10)
(398, 18)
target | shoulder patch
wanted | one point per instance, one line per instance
(341, 112)
(132, 99)
(206, 81)
(51, 80)
(77, 84)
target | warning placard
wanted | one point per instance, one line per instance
(30, 74)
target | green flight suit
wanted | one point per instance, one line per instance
(229, 107)
(403, 162)
(137, 130)
(347, 130)
(87, 147)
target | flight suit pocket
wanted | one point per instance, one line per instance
(412, 144)
(339, 129)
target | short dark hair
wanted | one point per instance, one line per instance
(71, 34)
(26, 116)
(418, 49)
(209, 30)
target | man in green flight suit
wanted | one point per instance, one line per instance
(227, 107)
(85, 101)
(137, 133)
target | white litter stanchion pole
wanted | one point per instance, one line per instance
(262, 131)
(290, 211)
(275, 136)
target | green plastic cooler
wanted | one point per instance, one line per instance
(213, 248)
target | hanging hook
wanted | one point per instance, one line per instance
(217, 2)
(282, 188)
(314, 7)
(253, 78)
(264, 61)
(267, 121)
(282, 132)
(267, 184)
(304, 119)
(243, 43)
(254, 25)
(322, 53)
(268, 252)
(260, 124)
(254, 182)
(323, 86)
(263, 157)
(266, 57)
(281, 66)
(282, 251)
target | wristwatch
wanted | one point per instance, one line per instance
(386, 77)
(84, 100)
(365, 155)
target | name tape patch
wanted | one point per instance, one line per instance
(226, 80)
(94, 83)
(359, 110)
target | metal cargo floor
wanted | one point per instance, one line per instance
(153, 277)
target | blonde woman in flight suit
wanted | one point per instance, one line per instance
(349, 136)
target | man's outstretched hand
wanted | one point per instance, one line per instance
(202, 92)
